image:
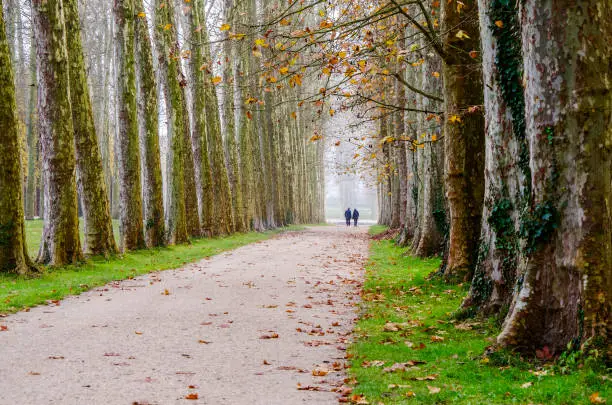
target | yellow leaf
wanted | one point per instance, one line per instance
(216, 80)
(257, 54)
(326, 71)
(342, 54)
(322, 13)
(499, 23)
(261, 42)
(434, 138)
(294, 115)
(225, 27)
(462, 35)
(284, 22)
(167, 27)
(454, 119)
(237, 37)
(332, 112)
(460, 5)
(284, 70)
(436, 74)
(142, 14)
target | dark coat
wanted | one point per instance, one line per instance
(355, 214)
(347, 214)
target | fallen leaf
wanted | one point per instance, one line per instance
(193, 395)
(270, 336)
(320, 372)
(426, 378)
(594, 398)
(433, 390)
(435, 338)
(204, 342)
(266, 363)
(166, 292)
(526, 385)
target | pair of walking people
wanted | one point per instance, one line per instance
(348, 215)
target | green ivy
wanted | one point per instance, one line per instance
(509, 62)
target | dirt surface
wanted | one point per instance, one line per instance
(205, 330)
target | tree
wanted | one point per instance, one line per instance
(563, 293)
(60, 240)
(98, 227)
(463, 135)
(229, 115)
(172, 81)
(14, 256)
(132, 231)
(148, 117)
(199, 73)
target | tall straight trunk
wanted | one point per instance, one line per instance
(192, 215)
(565, 284)
(199, 74)
(432, 216)
(229, 74)
(132, 229)
(463, 136)
(507, 172)
(172, 81)
(32, 139)
(60, 239)
(402, 170)
(14, 256)
(222, 215)
(98, 227)
(155, 228)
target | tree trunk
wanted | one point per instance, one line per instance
(98, 227)
(172, 81)
(463, 136)
(149, 134)
(432, 218)
(32, 138)
(507, 172)
(229, 74)
(132, 230)
(565, 283)
(60, 240)
(14, 256)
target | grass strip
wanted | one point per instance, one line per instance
(18, 293)
(408, 348)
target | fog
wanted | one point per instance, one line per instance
(348, 182)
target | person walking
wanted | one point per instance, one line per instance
(355, 216)
(347, 216)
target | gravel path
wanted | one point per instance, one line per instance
(245, 327)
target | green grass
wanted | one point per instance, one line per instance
(34, 230)
(17, 293)
(458, 364)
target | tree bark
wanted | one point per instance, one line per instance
(32, 138)
(172, 81)
(132, 230)
(60, 240)
(463, 136)
(565, 283)
(155, 228)
(229, 114)
(507, 172)
(14, 256)
(98, 227)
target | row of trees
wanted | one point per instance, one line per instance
(493, 145)
(228, 159)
